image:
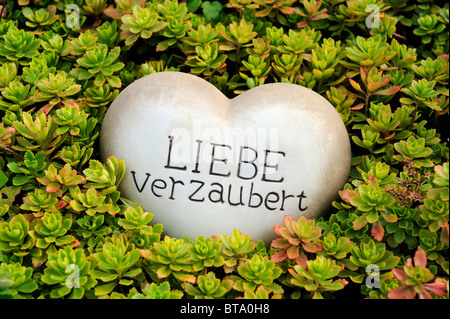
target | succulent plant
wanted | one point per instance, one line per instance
(370, 253)
(296, 238)
(41, 201)
(441, 181)
(416, 280)
(287, 67)
(343, 100)
(91, 202)
(67, 232)
(14, 236)
(94, 7)
(235, 248)
(51, 230)
(142, 23)
(60, 180)
(207, 60)
(171, 257)
(430, 25)
(371, 201)
(367, 53)
(55, 89)
(8, 72)
(162, 291)
(273, 8)
(116, 264)
(105, 176)
(414, 149)
(258, 271)
(19, 45)
(41, 17)
(41, 131)
(338, 248)
(200, 36)
(206, 252)
(100, 64)
(209, 287)
(86, 41)
(318, 276)
(16, 96)
(75, 155)
(21, 281)
(67, 273)
(92, 226)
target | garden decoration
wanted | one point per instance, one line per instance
(351, 101)
(278, 149)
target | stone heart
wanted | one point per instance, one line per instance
(204, 164)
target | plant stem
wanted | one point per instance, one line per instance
(13, 153)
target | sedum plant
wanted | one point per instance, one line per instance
(100, 64)
(142, 23)
(318, 276)
(115, 264)
(18, 44)
(67, 274)
(21, 282)
(209, 287)
(416, 280)
(170, 257)
(296, 238)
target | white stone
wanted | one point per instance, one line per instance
(204, 164)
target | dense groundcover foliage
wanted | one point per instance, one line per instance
(65, 231)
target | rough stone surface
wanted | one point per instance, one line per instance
(204, 164)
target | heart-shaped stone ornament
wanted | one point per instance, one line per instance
(204, 164)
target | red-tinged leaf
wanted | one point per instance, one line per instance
(400, 274)
(76, 243)
(356, 86)
(263, 13)
(163, 272)
(377, 230)
(357, 107)
(438, 287)
(292, 252)
(389, 217)
(289, 10)
(280, 243)
(347, 194)
(360, 222)
(400, 293)
(389, 91)
(113, 13)
(185, 277)
(145, 253)
(420, 258)
(277, 229)
(61, 204)
(424, 295)
(301, 260)
(294, 241)
(288, 220)
(52, 187)
(279, 256)
(312, 247)
(302, 24)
